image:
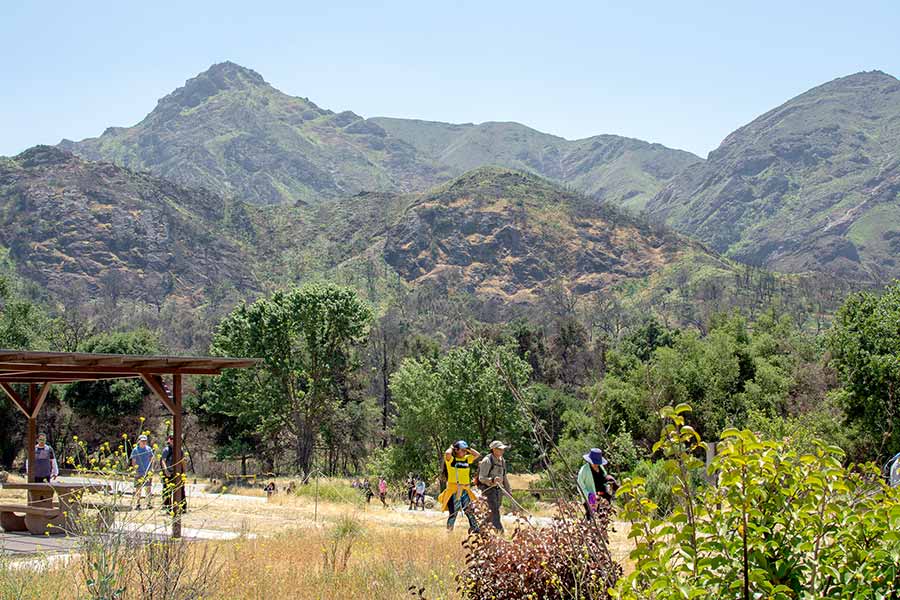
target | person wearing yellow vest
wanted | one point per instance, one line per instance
(459, 496)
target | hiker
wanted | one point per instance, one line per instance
(167, 467)
(419, 497)
(382, 491)
(270, 490)
(142, 460)
(594, 482)
(367, 491)
(46, 468)
(410, 488)
(893, 471)
(458, 495)
(492, 480)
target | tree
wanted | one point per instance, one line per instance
(865, 348)
(462, 394)
(21, 326)
(306, 339)
(116, 398)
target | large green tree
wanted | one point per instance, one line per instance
(115, 398)
(21, 327)
(462, 394)
(727, 375)
(865, 348)
(306, 339)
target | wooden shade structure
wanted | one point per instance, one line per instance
(40, 370)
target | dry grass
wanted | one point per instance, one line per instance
(398, 549)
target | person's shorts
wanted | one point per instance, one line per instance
(143, 481)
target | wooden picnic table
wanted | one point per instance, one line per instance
(40, 512)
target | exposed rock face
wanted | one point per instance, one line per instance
(231, 132)
(509, 235)
(71, 224)
(503, 235)
(811, 185)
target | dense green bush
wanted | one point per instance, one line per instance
(779, 523)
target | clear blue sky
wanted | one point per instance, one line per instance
(681, 73)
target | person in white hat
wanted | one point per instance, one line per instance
(491, 478)
(142, 461)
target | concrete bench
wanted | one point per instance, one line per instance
(34, 519)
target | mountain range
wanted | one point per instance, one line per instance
(231, 183)
(502, 235)
(231, 132)
(812, 185)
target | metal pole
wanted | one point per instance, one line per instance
(316, 508)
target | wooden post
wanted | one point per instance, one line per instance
(177, 456)
(32, 429)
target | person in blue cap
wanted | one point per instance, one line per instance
(459, 496)
(593, 481)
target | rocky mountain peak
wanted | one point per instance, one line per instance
(218, 78)
(43, 156)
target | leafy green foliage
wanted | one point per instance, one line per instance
(725, 375)
(306, 340)
(777, 523)
(865, 349)
(461, 395)
(22, 324)
(114, 398)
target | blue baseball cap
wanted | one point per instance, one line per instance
(461, 444)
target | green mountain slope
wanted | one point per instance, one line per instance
(71, 225)
(624, 171)
(499, 240)
(229, 131)
(813, 184)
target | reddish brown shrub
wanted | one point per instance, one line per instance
(567, 558)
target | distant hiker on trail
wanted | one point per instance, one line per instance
(410, 488)
(367, 491)
(458, 496)
(142, 460)
(594, 482)
(491, 478)
(418, 495)
(382, 490)
(45, 465)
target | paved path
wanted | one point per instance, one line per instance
(21, 544)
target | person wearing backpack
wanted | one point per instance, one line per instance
(492, 480)
(458, 495)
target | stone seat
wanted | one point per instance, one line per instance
(35, 519)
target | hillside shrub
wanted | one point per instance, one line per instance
(779, 523)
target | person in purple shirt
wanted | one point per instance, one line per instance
(45, 465)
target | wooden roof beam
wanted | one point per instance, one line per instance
(16, 399)
(155, 383)
(38, 402)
